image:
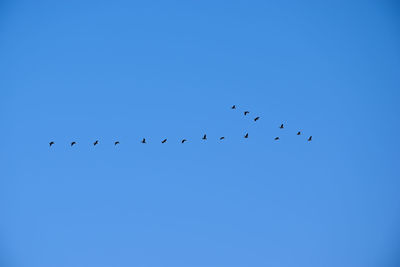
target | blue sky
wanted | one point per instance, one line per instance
(87, 70)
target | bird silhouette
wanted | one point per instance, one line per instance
(256, 118)
(183, 141)
(298, 133)
(277, 138)
(246, 112)
(233, 107)
(144, 141)
(246, 135)
(309, 138)
(222, 138)
(204, 137)
(281, 127)
(96, 142)
(51, 143)
(73, 143)
(163, 141)
(116, 143)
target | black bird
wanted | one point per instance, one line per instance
(246, 112)
(73, 143)
(281, 127)
(204, 137)
(309, 138)
(95, 143)
(256, 118)
(246, 135)
(163, 141)
(116, 143)
(51, 143)
(298, 133)
(222, 138)
(233, 107)
(277, 138)
(144, 141)
(183, 141)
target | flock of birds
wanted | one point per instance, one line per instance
(203, 138)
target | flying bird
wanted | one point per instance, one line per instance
(246, 135)
(116, 143)
(281, 127)
(298, 133)
(222, 138)
(233, 107)
(309, 138)
(73, 143)
(183, 141)
(246, 112)
(256, 118)
(144, 141)
(51, 143)
(277, 138)
(163, 141)
(204, 137)
(95, 143)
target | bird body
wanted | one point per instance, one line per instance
(277, 138)
(233, 107)
(309, 138)
(51, 143)
(256, 118)
(73, 143)
(222, 138)
(246, 135)
(281, 127)
(204, 137)
(163, 141)
(183, 141)
(298, 133)
(144, 141)
(116, 143)
(246, 112)
(96, 142)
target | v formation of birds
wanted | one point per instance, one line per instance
(95, 143)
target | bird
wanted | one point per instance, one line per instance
(183, 141)
(281, 127)
(51, 143)
(309, 138)
(246, 112)
(144, 141)
(96, 142)
(246, 135)
(222, 138)
(163, 141)
(204, 137)
(277, 138)
(256, 118)
(233, 107)
(298, 133)
(73, 143)
(116, 143)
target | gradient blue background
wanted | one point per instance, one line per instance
(107, 70)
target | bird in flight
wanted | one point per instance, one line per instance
(163, 141)
(246, 135)
(116, 143)
(204, 137)
(281, 127)
(246, 112)
(73, 143)
(51, 143)
(222, 138)
(298, 133)
(96, 142)
(183, 141)
(256, 118)
(309, 138)
(277, 138)
(144, 141)
(233, 107)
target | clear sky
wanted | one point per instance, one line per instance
(124, 70)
